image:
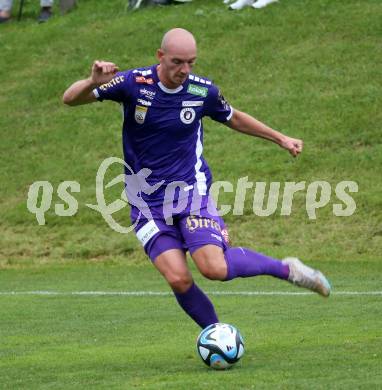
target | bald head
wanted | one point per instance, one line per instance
(176, 56)
(178, 40)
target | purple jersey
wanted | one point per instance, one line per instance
(162, 128)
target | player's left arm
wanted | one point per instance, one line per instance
(244, 123)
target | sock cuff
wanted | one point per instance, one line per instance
(229, 265)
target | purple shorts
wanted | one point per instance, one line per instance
(188, 229)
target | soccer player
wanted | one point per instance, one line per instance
(163, 107)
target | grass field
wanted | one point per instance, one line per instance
(123, 341)
(308, 68)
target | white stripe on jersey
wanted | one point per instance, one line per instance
(146, 72)
(201, 180)
(143, 72)
(230, 114)
(199, 79)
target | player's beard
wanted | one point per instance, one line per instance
(181, 78)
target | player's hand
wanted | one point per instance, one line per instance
(103, 72)
(293, 145)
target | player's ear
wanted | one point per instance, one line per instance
(160, 54)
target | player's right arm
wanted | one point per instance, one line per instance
(81, 92)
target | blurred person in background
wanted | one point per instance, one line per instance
(6, 8)
(135, 4)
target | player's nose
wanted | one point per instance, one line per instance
(186, 68)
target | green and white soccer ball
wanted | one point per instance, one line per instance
(220, 346)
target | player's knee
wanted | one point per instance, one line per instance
(211, 263)
(214, 270)
(179, 282)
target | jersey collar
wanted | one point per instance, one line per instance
(161, 86)
(168, 90)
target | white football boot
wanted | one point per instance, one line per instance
(226, 1)
(239, 4)
(262, 3)
(303, 276)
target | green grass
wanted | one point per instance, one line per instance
(115, 341)
(308, 68)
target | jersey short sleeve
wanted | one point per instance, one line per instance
(117, 89)
(217, 108)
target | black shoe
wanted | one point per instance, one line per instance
(161, 2)
(45, 14)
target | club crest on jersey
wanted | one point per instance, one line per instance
(140, 114)
(187, 115)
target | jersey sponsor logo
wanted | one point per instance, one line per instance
(223, 102)
(192, 103)
(225, 235)
(193, 223)
(144, 102)
(147, 93)
(197, 90)
(143, 80)
(187, 115)
(140, 114)
(147, 231)
(112, 83)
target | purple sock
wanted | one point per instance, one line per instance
(197, 305)
(242, 262)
